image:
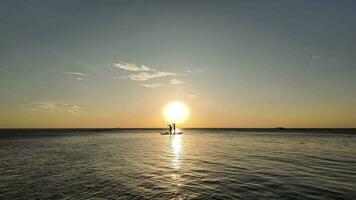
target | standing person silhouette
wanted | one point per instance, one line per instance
(174, 128)
(170, 129)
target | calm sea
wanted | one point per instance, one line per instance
(200, 164)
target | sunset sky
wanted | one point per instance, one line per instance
(233, 63)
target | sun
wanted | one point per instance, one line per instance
(176, 112)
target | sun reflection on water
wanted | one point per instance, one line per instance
(176, 144)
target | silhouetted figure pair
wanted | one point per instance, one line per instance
(172, 127)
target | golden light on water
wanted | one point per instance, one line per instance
(176, 144)
(177, 148)
(176, 112)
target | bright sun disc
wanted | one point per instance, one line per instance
(176, 112)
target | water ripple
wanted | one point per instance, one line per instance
(196, 165)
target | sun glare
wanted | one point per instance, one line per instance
(176, 112)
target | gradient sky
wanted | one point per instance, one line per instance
(71, 63)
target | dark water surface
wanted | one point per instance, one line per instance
(200, 164)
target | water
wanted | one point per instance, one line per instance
(200, 164)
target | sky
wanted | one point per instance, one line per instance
(246, 63)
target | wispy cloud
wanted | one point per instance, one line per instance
(146, 73)
(175, 82)
(146, 76)
(77, 73)
(314, 59)
(132, 67)
(153, 85)
(85, 65)
(194, 71)
(55, 106)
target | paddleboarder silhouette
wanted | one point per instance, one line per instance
(170, 129)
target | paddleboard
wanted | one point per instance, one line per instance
(167, 133)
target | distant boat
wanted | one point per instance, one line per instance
(173, 133)
(280, 128)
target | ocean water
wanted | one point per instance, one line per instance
(200, 164)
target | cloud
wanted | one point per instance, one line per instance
(132, 67)
(154, 85)
(146, 76)
(77, 73)
(55, 106)
(145, 73)
(176, 82)
(195, 71)
(85, 65)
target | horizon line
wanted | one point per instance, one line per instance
(128, 128)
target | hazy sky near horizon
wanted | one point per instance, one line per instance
(234, 63)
